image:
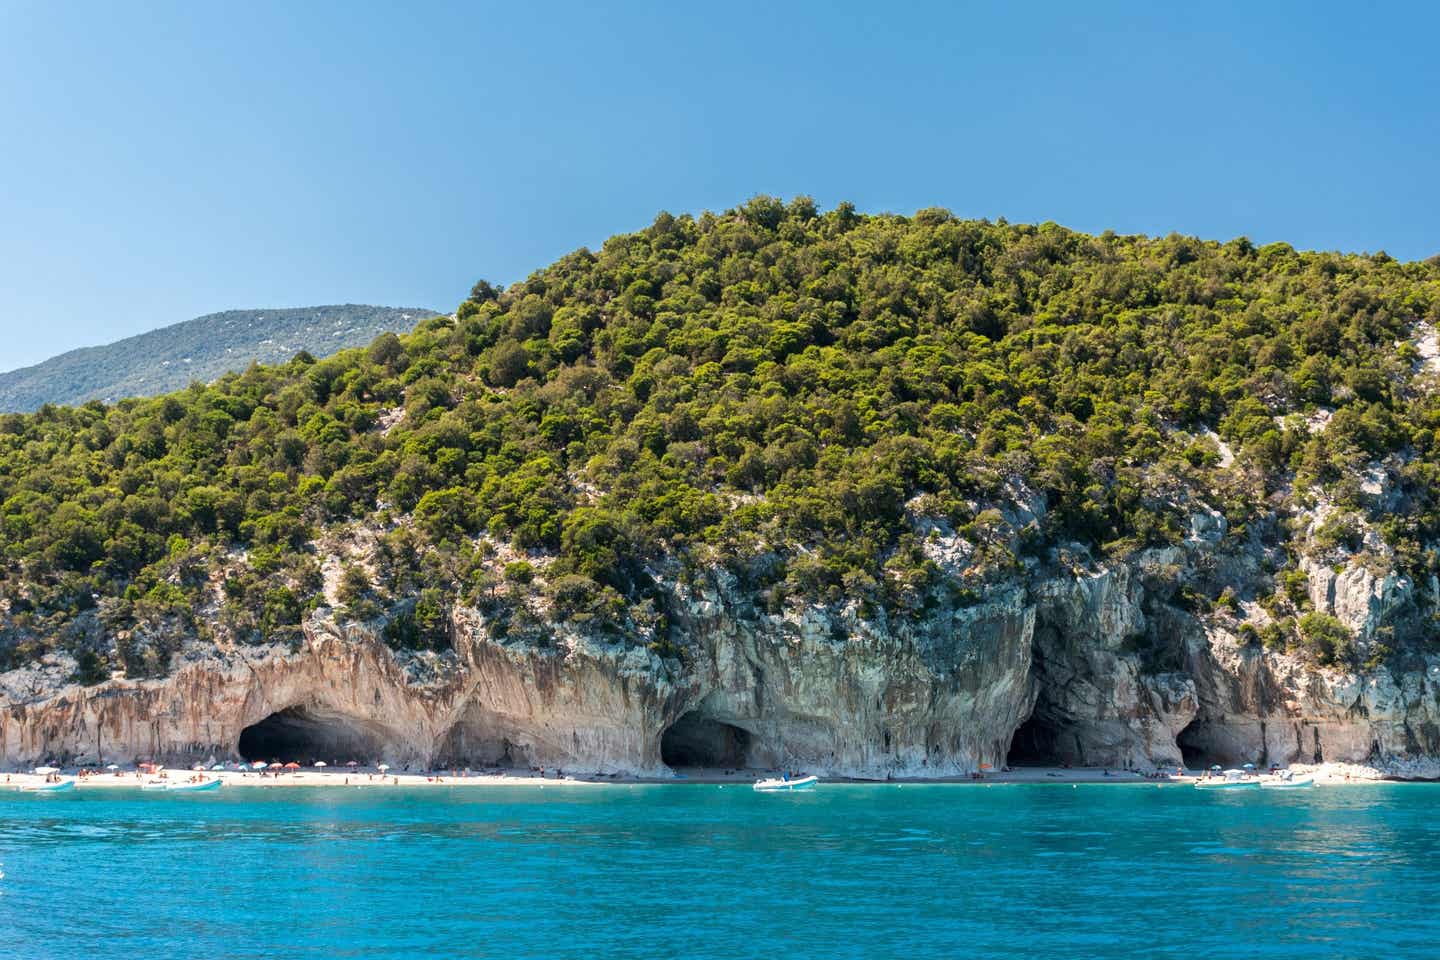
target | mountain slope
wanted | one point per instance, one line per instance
(871, 488)
(200, 349)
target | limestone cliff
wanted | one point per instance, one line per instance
(1089, 664)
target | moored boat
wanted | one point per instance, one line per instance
(785, 784)
(1289, 783)
(58, 786)
(1229, 780)
(213, 784)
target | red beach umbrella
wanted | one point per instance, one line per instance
(292, 765)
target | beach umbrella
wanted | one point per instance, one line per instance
(1247, 766)
(218, 766)
(1214, 766)
(198, 766)
(321, 763)
(46, 771)
(353, 763)
(259, 764)
(383, 767)
(112, 766)
(292, 765)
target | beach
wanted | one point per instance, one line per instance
(371, 778)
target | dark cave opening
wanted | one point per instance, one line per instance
(1035, 743)
(307, 734)
(698, 741)
(1194, 747)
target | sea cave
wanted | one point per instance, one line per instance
(306, 734)
(695, 740)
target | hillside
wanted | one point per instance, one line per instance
(201, 349)
(789, 472)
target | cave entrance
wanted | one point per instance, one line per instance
(307, 734)
(1035, 743)
(698, 741)
(477, 740)
(1194, 746)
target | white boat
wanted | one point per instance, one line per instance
(154, 785)
(785, 784)
(1284, 782)
(212, 784)
(1229, 780)
(58, 787)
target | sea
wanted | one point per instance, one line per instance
(699, 871)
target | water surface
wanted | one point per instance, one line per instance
(704, 871)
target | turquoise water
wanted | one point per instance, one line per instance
(702, 871)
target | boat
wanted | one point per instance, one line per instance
(58, 786)
(1229, 780)
(785, 784)
(213, 784)
(1289, 782)
(154, 785)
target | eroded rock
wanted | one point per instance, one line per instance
(1066, 657)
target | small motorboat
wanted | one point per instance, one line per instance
(59, 786)
(154, 785)
(213, 784)
(1229, 780)
(785, 784)
(1288, 781)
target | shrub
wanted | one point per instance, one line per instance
(1326, 638)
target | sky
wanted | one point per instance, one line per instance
(162, 161)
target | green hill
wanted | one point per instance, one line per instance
(773, 390)
(200, 349)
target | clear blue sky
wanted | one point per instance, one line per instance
(161, 161)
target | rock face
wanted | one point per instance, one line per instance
(1261, 707)
(1096, 704)
(1357, 596)
(1047, 666)
(824, 689)
(938, 696)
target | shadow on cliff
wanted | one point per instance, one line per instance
(1037, 742)
(306, 734)
(695, 740)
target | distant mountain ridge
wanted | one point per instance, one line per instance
(204, 348)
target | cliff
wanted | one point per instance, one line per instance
(1047, 667)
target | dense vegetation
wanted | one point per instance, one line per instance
(772, 389)
(201, 349)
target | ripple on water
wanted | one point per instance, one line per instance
(657, 872)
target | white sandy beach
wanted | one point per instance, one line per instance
(348, 778)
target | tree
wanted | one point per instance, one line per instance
(509, 363)
(484, 292)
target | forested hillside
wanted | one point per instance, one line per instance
(201, 349)
(775, 390)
